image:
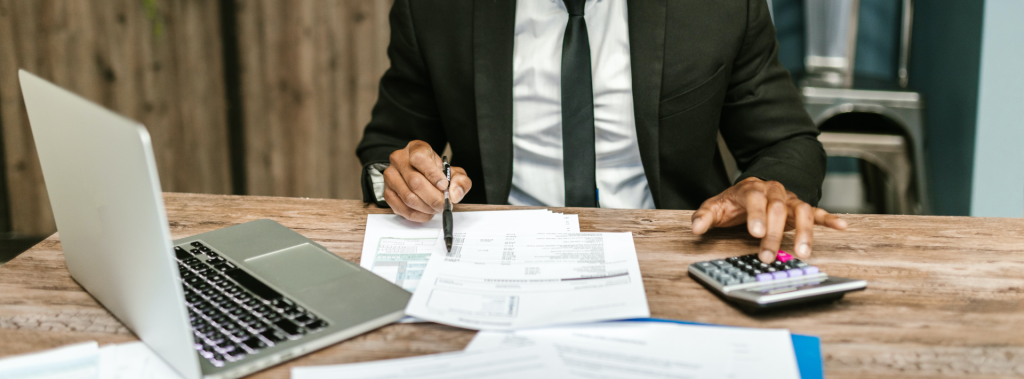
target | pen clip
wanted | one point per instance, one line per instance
(447, 171)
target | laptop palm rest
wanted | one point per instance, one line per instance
(297, 268)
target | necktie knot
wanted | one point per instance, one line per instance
(575, 7)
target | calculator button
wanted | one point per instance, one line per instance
(770, 269)
(795, 272)
(810, 270)
(766, 277)
(783, 256)
(747, 279)
(780, 275)
(731, 281)
(731, 270)
(721, 263)
(704, 266)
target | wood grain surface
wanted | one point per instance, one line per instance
(945, 295)
(158, 62)
(309, 76)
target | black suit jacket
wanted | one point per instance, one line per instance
(699, 67)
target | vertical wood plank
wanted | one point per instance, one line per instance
(309, 73)
(158, 62)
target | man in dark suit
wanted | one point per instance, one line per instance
(596, 103)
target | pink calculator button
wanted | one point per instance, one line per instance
(783, 256)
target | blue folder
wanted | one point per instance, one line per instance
(807, 348)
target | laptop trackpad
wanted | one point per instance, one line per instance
(300, 267)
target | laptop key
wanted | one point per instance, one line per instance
(289, 327)
(273, 317)
(254, 343)
(257, 327)
(273, 335)
(317, 324)
(302, 319)
(252, 284)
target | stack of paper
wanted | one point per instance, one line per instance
(398, 249)
(505, 281)
(507, 269)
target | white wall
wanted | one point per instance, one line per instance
(998, 183)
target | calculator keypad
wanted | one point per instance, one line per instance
(750, 269)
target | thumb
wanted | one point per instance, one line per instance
(704, 218)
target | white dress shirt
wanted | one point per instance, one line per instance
(537, 171)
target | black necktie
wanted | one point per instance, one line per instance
(578, 156)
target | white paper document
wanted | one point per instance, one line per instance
(132, 360)
(505, 281)
(398, 249)
(631, 350)
(78, 361)
(539, 361)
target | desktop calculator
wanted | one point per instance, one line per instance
(754, 285)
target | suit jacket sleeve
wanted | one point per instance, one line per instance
(763, 120)
(406, 109)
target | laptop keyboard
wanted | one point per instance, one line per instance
(233, 314)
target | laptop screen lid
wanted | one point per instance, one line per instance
(102, 181)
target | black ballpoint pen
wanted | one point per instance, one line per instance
(447, 215)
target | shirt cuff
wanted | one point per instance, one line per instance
(375, 171)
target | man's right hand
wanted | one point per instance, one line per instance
(414, 184)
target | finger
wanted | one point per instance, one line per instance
(823, 218)
(461, 184)
(423, 159)
(706, 216)
(756, 204)
(399, 207)
(395, 180)
(804, 216)
(776, 223)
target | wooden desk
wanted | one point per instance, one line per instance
(945, 295)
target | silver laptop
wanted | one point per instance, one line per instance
(221, 304)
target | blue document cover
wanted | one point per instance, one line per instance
(807, 348)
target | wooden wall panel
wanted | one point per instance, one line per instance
(158, 62)
(309, 76)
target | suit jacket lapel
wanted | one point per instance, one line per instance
(647, 52)
(493, 37)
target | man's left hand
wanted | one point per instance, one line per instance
(769, 210)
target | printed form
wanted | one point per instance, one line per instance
(505, 281)
(397, 249)
(631, 350)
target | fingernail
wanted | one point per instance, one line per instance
(457, 194)
(757, 228)
(695, 222)
(767, 256)
(841, 223)
(803, 250)
(442, 184)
